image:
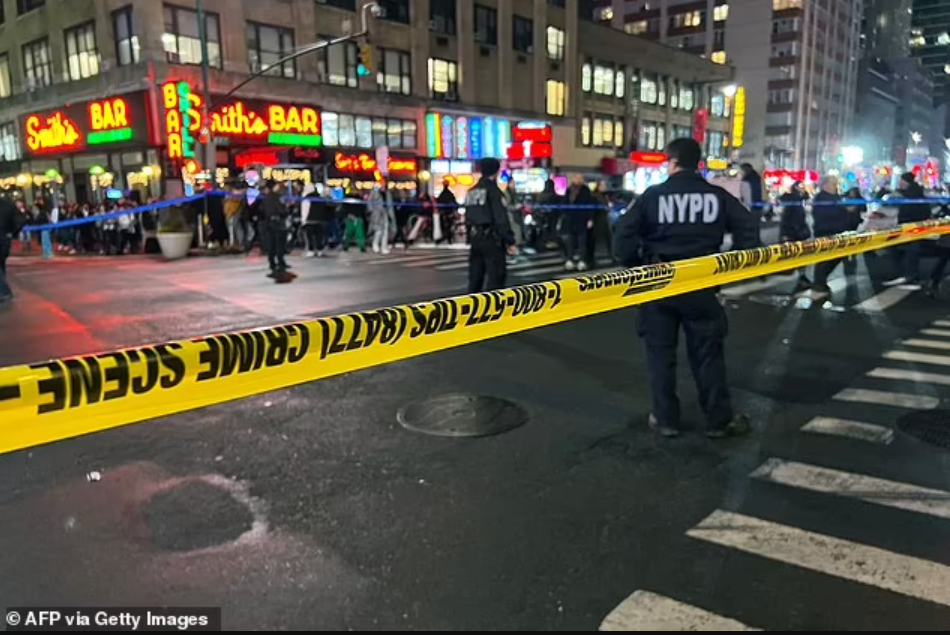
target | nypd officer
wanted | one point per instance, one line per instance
(489, 231)
(685, 217)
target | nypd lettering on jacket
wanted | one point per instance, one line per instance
(476, 196)
(688, 208)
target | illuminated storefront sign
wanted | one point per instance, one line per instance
(76, 127)
(738, 119)
(258, 122)
(649, 158)
(531, 140)
(466, 138)
(366, 163)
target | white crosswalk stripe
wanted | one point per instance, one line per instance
(910, 375)
(833, 556)
(923, 358)
(900, 400)
(942, 323)
(883, 300)
(936, 332)
(940, 344)
(645, 611)
(861, 431)
(869, 489)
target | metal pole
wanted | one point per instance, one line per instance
(210, 154)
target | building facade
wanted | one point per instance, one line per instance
(109, 93)
(796, 60)
(886, 28)
(930, 43)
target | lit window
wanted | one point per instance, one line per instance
(618, 133)
(717, 104)
(6, 87)
(82, 57)
(781, 5)
(37, 64)
(586, 78)
(554, 102)
(9, 147)
(339, 65)
(585, 130)
(443, 79)
(126, 42)
(636, 28)
(648, 91)
(606, 14)
(721, 12)
(181, 38)
(395, 72)
(555, 44)
(686, 98)
(619, 84)
(719, 57)
(943, 38)
(604, 80)
(266, 45)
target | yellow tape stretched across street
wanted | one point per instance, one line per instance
(65, 398)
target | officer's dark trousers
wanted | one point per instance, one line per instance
(487, 264)
(276, 239)
(704, 322)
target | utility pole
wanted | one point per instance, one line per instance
(208, 161)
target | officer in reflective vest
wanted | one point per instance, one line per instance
(685, 217)
(489, 232)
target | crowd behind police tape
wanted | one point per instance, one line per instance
(384, 219)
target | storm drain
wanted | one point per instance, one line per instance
(930, 426)
(195, 515)
(462, 415)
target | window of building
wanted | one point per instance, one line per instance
(555, 38)
(395, 10)
(721, 13)
(3, 17)
(442, 16)
(522, 34)
(781, 5)
(554, 98)
(182, 41)
(9, 148)
(126, 42)
(717, 105)
(443, 79)
(395, 72)
(648, 136)
(688, 19)
(661, 91)
(636, 28)
(25, 6)
(82, 57)
(785, 49)
(618, 133)
(349, 5)
(779, 73)
(719, 39)
(349, 131)
(718, 57)
(714, 143)
(586, 77)
(687, 98)
(37, 64)
(556, 3)
(603, 80)
(785, 25)
(781, 96)
(602, 131)
(585, 130)
(648, 91)
(267, 45)
(620, 84)
(6, 86)
(338, 64)
(486, 25)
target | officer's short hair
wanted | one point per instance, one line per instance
(489, 167)
(686, 152)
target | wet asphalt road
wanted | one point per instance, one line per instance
(312, 509)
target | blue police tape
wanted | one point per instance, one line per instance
(110, 215)
(535, 207)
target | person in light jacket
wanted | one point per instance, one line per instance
(381, 217)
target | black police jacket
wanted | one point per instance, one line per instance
(685, 217)
(485, 207)
(9, 218)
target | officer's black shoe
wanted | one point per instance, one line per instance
(803, 284)
(738, 427)
(931, 290)
(664, 430)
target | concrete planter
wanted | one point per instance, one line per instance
(174, 245)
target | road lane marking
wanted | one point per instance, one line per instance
(928, 344)
(883, 300)
(935, 332)
(645, 611)
(853, 561)
(739, 290)
(923, 358)
(910, 375)
(922, 500)
(943, 323)
(436, 261)
(899, 399)
(388, 260)
(852, 429)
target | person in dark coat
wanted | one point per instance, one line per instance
(829, 217)
(906, 257)
(10, 224)
(793, 226)
(577, 221)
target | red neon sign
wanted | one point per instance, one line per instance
(257, 157)
(530, 150)
(402, 165)
(57, 132)
(652, 158)
(354, 162)
(532, 133)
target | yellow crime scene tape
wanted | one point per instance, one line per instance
(65, 398)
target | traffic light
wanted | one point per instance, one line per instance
(365, 68)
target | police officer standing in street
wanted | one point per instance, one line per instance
(685, 217)
(490, 234)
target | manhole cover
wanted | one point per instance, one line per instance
(195, 515)
(462, 416)
(930, 426)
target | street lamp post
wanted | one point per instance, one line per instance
(210, 157)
